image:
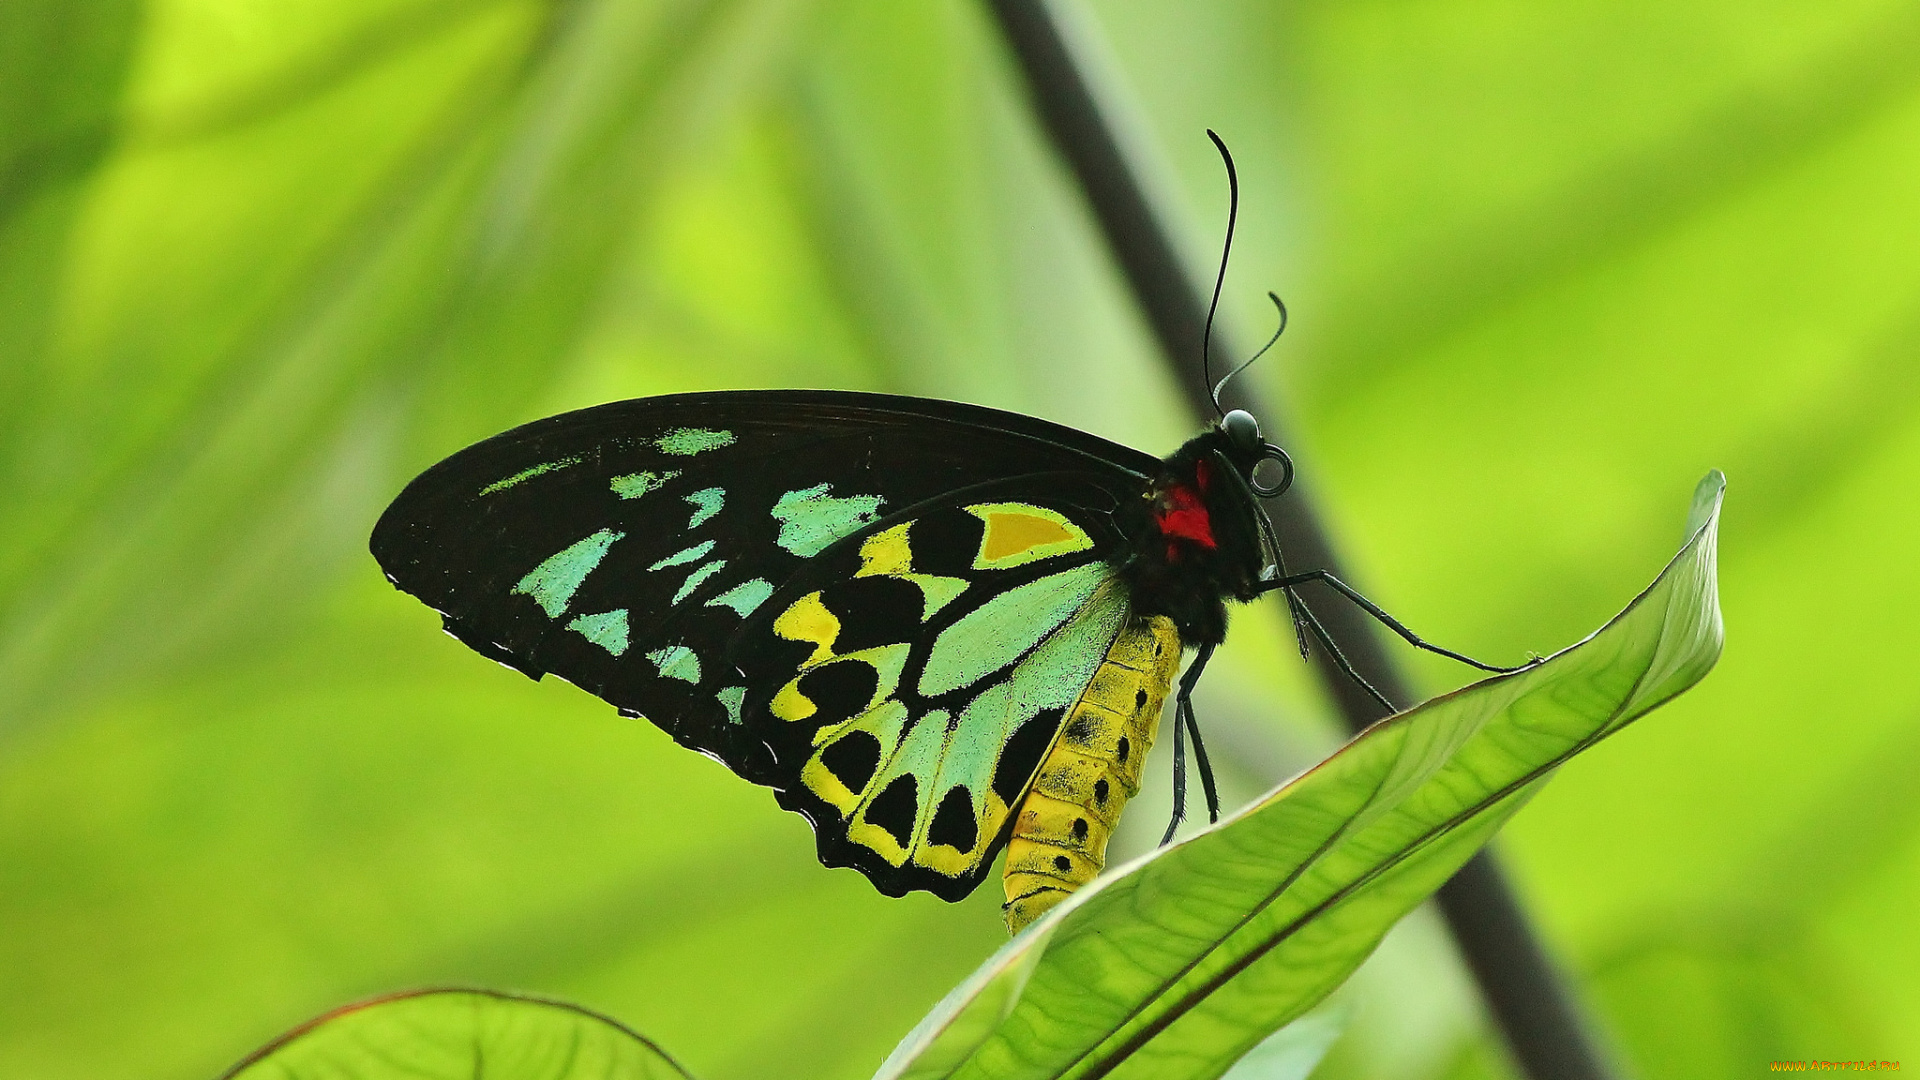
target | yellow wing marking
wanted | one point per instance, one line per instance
(791, 704)
(809, 620)
(888, 553)
(884, 721)
(920, 742)
(1017, 534)
(806, 620)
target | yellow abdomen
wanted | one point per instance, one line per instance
(1060, 832)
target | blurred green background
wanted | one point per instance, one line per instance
(263, 260)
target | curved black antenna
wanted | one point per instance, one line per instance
(1281, 329)
(1271, 452)
(1219, 279)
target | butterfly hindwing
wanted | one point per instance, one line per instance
(916, 678)
(661, 554)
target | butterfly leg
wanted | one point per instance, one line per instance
(1179, 781)
(1289, 581)
(1183, 711)
(1295, 609)
(1312, 624)
(1184, 724)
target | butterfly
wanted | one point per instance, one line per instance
(935, 630)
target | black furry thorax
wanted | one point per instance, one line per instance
(1197, 538)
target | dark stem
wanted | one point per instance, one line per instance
(1523, 991)
(1540, 1020)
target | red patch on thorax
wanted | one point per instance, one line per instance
(1180, 513)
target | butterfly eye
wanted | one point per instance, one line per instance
(1243, 431)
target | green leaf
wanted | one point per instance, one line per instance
(460, 1035)
(1180, 963)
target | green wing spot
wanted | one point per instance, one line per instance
(811, 519)
(684, 555)
(706, 503)
(676, 662)
(528, 474)
(731, 698)
(1053, 677)
(694, 579)
(936, 591)
(553, 582)
(692, 440)
(917, 754)
(607, 630)
(744, 597)
(634, 485)
(997, 632)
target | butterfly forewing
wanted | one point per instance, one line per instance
(874, 605)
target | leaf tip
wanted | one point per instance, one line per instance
(1707, 496)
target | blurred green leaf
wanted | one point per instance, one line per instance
(1179, 964)
(460, 1035)
(1293, 1052)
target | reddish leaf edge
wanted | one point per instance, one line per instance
(299, 1031)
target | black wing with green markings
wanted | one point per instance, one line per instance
(694, 558)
